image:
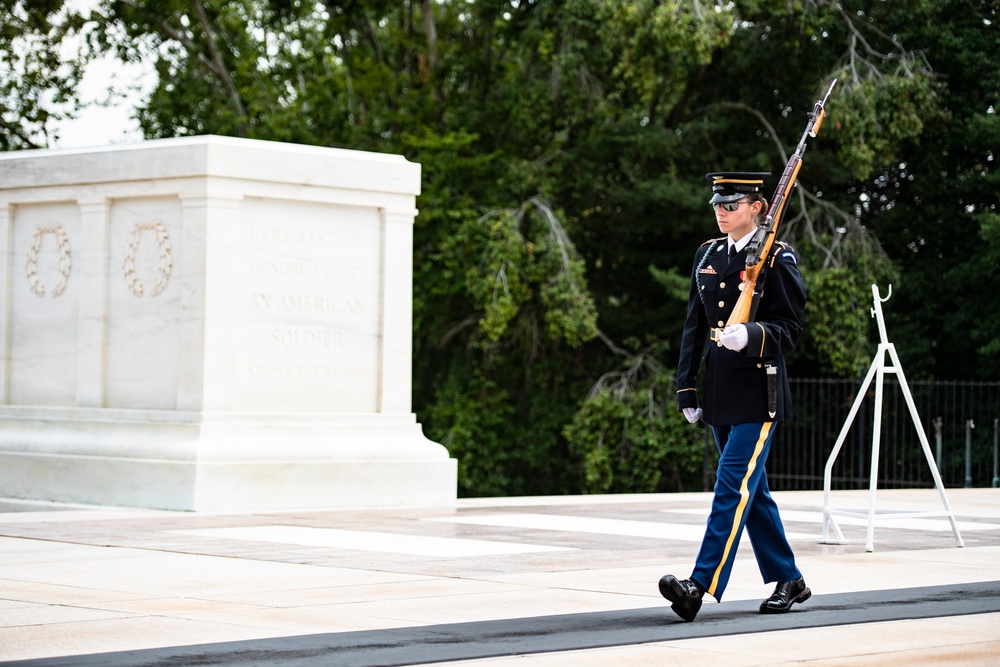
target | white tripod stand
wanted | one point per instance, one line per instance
(877, 371)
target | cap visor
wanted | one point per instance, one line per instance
(719, 198)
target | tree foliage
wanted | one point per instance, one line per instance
(37, 84)
(628, 437)
(564, 145)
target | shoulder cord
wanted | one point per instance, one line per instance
(697, 271)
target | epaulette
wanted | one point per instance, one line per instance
(786, 250)
(711, 241)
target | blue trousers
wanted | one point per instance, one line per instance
(742, 500)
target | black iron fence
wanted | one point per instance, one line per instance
(961, 421)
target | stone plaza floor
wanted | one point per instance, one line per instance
(540, 581)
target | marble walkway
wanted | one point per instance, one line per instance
(540, 581)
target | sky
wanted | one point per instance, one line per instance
(103, 125)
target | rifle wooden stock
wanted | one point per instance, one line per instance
(759, 247)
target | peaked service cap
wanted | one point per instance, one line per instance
(730, 186)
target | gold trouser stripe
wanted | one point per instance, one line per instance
(744, 497)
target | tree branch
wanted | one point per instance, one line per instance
(219, 65)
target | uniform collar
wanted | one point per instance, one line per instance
(740, 243)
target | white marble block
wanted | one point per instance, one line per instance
(211, 323)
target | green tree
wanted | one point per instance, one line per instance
(931, 200)
(37, 82)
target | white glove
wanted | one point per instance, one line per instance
(735, 337)
(692, 414)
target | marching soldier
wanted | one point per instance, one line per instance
(746, 393)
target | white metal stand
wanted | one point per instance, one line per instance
(877, 371)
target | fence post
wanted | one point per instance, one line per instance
(968, 452)
(937, 440)
(996, 476)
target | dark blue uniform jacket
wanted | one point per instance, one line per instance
(735, 383)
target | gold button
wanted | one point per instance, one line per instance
(759, 366)
(722, 304)
(719, 343)
(741, 286)
(721, 323)
(722, 285)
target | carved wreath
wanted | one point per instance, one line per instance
(65, 261)
(164, 263)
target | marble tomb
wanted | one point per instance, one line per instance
(211, 324)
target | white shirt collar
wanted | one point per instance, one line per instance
(741, 243)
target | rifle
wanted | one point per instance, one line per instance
(760, 245)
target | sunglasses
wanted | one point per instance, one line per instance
(730, 205)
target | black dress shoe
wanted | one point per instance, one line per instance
(785, 594)
(684, 595)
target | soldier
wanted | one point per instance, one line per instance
(739, 404)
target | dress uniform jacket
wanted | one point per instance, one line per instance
(735, 383)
